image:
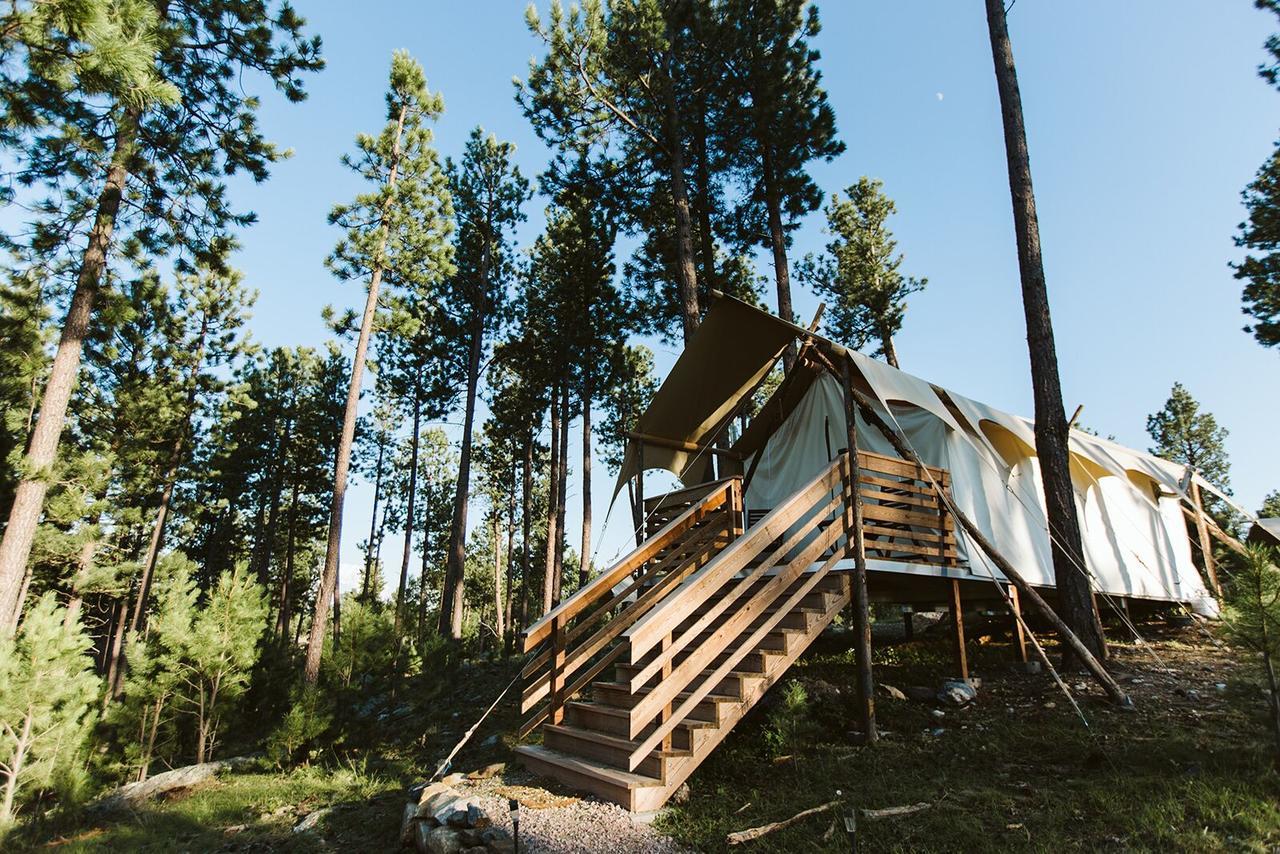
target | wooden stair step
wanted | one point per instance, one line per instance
(608, 749)
(616, 694)
(616, 721)
(611, 784)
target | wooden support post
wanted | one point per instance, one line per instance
(555, 708)
(1206, 545)
(956, 608)
(1019, 633)
(644, 519)
(908, 623)
(866, 686)
(1028, 592)
(666, 710)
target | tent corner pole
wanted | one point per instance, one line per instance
(854, 539)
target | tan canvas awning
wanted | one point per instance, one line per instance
(734, 348)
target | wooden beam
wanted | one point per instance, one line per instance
(1202, 532)
(1223, 537)
(956, 607)
(1019, 633)
(861, 611)
(975, 534)
(679, 445)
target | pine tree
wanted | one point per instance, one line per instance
(400, 230)
(622, 73)
(129, 169)
(1252, 620)
(1184, 433)
(198, 659)
(1270, 508)
(23, 329)
(779, 112)
(47, 688)
(207, 336)
(488, 192)
(859, 276)
(1075, 594)
(1261, 233)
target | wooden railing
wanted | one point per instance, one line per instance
(757, 578)
(577, 634)
(902, 518)
(660, 511)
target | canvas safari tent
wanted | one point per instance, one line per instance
(1130, 504)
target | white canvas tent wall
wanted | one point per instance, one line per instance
(1135, 538)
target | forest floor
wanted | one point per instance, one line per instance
(1018, 769)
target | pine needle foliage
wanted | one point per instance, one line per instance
(1252, 620)
(47, 693)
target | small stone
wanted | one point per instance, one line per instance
(1050, 704)
(453, 779)
(957, 692)
(477, 817)
(1221, 686)
(498, 841)
(234, 829)
(936, 731)
(892, 693)
(440, 840)
(311, 821)
(937, 714)
(488, 771)
(491, 741)
(407, 821)
(920, 692)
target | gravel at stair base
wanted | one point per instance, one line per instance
(579, 827)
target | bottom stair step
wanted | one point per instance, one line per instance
(630, 791)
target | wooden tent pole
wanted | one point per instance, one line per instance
(1019, 633)
(956, 607)
(861, 610)
(1024, 589)
(1223, 537)
(644, 521)
(1206, 545)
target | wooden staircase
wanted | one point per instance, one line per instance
(642, 673)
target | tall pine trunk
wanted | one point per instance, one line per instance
(562, 497)
(511, 560)
(451, 601)
(777, 239)
(686, 274)
(498, 628)
(1075, 596)
(176, 456)
(409, 511)
(372, 544)
(42, 449)
(342, 461)
(290, 549)
(702, 169)
(890, 351)
(553, 499)
(584, 563)
(526, 523)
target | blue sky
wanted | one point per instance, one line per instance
(1145, 119)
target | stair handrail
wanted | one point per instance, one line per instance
(597, 587)
(645, 575)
